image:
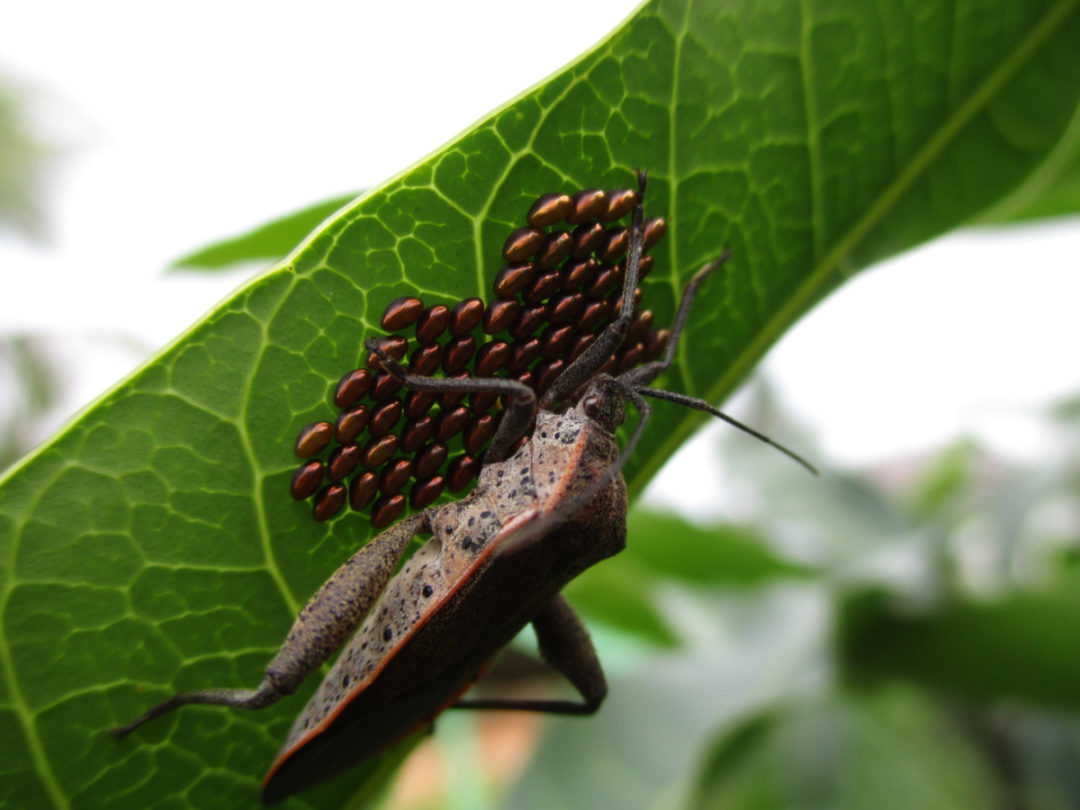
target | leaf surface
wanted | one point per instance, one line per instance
(151, 545)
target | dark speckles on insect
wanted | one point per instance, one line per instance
(427, 591)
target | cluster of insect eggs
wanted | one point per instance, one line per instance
(558, 289)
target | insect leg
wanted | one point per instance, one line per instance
(519, 413)
(638, 379)
(565, 645)
(325, 622)
(645, 374)
(593, 358)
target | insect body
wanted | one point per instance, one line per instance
(496, 561)
(492, 566)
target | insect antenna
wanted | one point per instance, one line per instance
(702, 405)
(638, 379)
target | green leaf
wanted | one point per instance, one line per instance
(666, 549)
(713, 555)
(267, 242)
(25, 162)
(892, 749)
(151, 545)
(1022, 646)
(1053, 190)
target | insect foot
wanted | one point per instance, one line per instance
(550, 502)
(323, 625)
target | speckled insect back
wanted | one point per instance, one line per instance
(558, 289)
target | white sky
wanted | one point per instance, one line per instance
(185, 123)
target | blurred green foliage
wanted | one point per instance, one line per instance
(921, 650)
(850, 644)
(24, 160)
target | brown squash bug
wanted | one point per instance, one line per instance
(545, 509)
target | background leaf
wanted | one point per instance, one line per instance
(267, 242)
(1022, 646)
(151, 546)
(890, 749)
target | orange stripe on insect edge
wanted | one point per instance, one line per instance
(513, 524)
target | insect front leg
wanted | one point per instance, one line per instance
(324, 624)
(565, 646)
(516, 419)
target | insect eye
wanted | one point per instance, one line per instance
(591, 406)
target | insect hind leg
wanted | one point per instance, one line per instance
(251, 699)
(325, 622)
(566, 647)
